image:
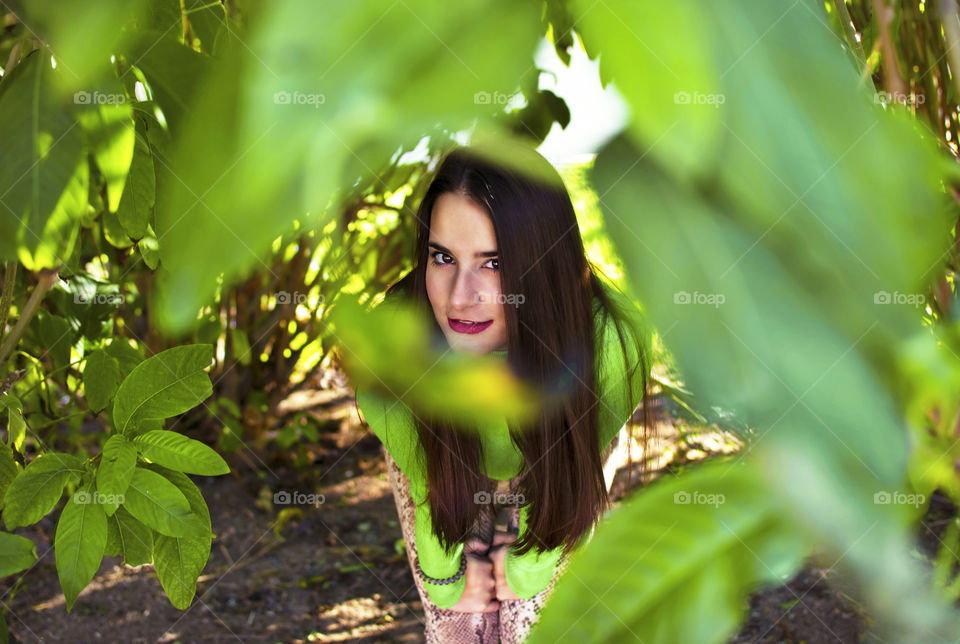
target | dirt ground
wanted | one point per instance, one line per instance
(327, 573)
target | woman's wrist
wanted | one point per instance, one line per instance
(445, 581)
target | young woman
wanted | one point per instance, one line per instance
(501, 269)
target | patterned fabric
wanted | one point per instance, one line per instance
(516, 617)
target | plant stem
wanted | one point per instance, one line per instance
(847, 23)
(48, 277)
(951, 32)
(6, 299)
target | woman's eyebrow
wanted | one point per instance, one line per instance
(486, 253)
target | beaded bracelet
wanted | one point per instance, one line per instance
(448, 580)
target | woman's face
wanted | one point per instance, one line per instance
(463, 279)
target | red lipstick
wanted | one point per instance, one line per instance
(464, 326)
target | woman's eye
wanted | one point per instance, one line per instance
(495, 263)
(436, 254)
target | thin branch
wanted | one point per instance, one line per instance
(47, 279)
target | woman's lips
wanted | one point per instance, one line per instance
(461, 327)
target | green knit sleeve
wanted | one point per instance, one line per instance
(529, 573)
(615, 410)
(392, 422)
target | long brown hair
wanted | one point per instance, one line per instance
(550, 342)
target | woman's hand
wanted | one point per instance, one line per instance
(498, 556)
(479, 595)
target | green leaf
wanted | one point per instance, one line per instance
(107, 121)
(9, 468)
(330, 137)
(89, 302)
(180, 561)
(57, 335)
(169, 383)
(84, 40)
(38, 487)
(159, 504)
(79, 542)
(139, 195)
(43, 170)
(127, 357)
(113, 231)
(697, 544)
(180, 453)
(16, 553)
(150, 249)
(16, 425)
(101, 377)
(129, 538)
(117, 464)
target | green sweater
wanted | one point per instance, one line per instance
(526, 574)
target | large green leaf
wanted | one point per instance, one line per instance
(169, 383)
(107, 121)
(16, 553)
(101, 377)
(84, 40)
(180, 560)
(139, 195)
(155, 501)
(43, 170)
(300, 119)
(129, 538)
(38, 487)
(115, 472)
(180, 453)
(777, 261)
(388, 349)
(689, 545)
(79, 541)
